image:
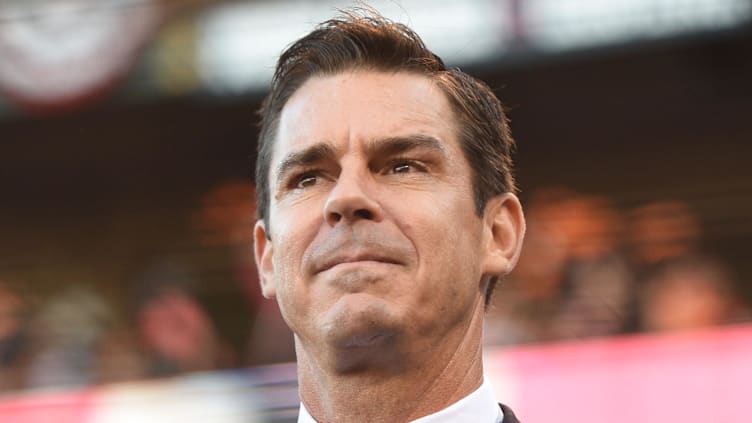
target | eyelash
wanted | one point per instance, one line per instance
(399, 162)
(296, 181)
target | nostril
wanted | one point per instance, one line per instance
(364, 214)
(335, 217)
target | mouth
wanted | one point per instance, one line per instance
(356, 259)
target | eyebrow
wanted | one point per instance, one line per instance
(305, 157)
(391, 146)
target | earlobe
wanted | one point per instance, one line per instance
(505, 229)
(263, 250)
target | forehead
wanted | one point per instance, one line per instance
(349, 108)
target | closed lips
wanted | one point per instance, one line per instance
(342, 259)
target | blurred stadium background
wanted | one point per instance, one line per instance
(127, 141)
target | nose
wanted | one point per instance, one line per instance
(351, 200)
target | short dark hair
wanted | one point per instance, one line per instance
(366, 40)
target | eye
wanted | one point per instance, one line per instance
(307, 181)
(304, 180)
(402, 168)
(405, 166)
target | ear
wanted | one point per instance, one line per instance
(504, 229)
(263, 247)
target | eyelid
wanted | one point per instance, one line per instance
(297, 176)
(419, 165)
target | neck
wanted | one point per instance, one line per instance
(424, 383)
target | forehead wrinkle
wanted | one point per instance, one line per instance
(307, 156)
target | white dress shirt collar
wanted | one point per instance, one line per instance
(479, 406)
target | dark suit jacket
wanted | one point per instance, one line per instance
(509, 416)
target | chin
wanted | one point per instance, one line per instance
(367, 353)
(361, 332)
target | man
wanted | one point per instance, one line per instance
(387, 214)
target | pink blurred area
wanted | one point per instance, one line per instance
(688, 377)
(61, 407)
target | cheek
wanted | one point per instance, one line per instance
(451, 227)
(448, 241)
(293, 231)
(293, 227)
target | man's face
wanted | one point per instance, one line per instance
(374, 235)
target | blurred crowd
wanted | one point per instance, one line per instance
(192, 311)
(588, 269)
